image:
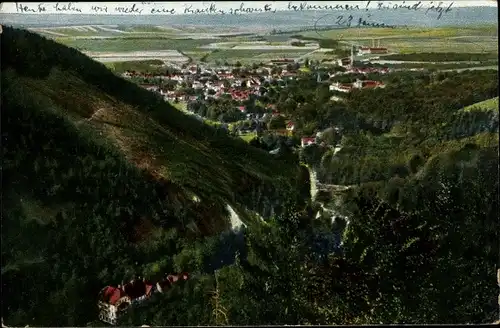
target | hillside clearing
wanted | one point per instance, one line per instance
(487, 105)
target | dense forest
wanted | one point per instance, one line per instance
(106, 180)
(81, 210)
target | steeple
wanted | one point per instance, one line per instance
(352, 55)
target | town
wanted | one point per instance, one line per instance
(241, 93)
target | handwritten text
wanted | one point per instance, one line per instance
(347, 21)
(144, 8)
(305, 6)
(430, 8)
(439, 9)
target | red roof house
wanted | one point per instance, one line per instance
(372, 50)
(166, 283)
(112, 294)
(239, 95)
(306, 141)
(114, 300)
(138, 289)
(367, 84)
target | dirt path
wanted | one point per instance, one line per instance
(96, 113)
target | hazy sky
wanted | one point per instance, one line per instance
(179, 7)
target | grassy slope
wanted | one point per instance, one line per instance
(487, 105)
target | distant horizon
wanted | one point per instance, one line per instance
(283, 20)
(179, 8)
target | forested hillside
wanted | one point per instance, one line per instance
(103, 180)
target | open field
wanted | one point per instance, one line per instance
(273, 47)
(196, 55)
(460, 66)
(181, 105)
(438, 32)
(477, 68)
(148, 60)
(443, 39)
(164, 55)
(106, 31)
(100, 31)
(75, 31)
(319, 55)
(442, 57)
(112, 43)
(437, 45)
(146, 43)
(119, 59)
(253, 55)
(134, 44)
(248, 136)
(180, 50)
(257, 45)
(151, 29)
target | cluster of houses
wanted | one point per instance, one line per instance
(372, 50)
(213, 83)
(217, 82)
(307, 141)
(348, 62)
(115, 301)
(359, 84)
(363, 70)
(257, 124)
(237, 88)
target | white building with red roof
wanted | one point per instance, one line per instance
(114, 301)
(307, 141)
(372, 50)
(341, 87)
(367, 84)
(359, 84)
